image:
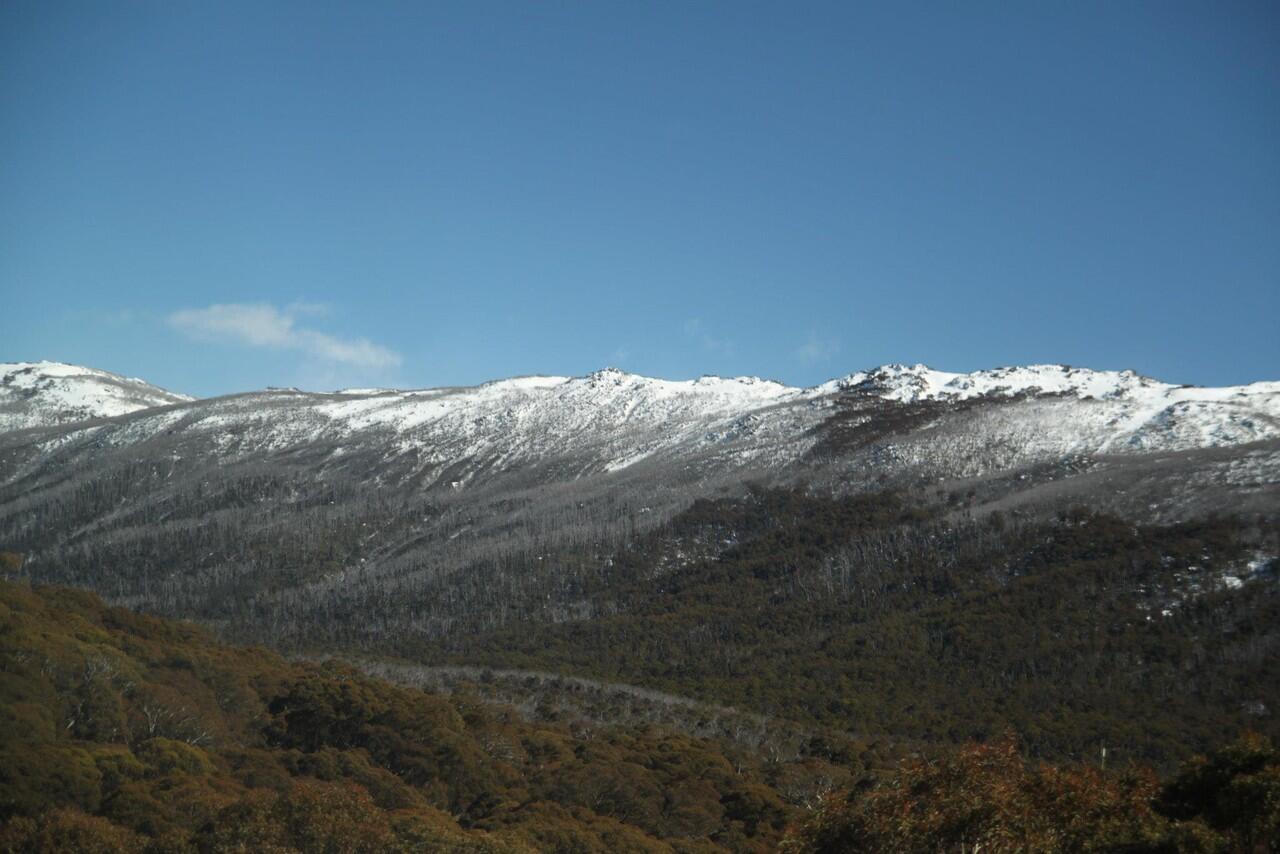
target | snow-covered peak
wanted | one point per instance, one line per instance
(910, 383)
(602, 399)
(745, 389)
(42, 394)
(526, 383)
(1137, 412)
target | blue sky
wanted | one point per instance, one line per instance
(224, 196)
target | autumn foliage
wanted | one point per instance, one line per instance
(126, 733)
(989, 798)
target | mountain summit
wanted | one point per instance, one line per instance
(42, 394)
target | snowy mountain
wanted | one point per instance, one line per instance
(44, 394)
(663, 442)
(1077, 410)
(610, 420)
(287, 502)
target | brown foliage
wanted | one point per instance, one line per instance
(133, 728)
(987, 797)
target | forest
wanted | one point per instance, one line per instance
(130, 733)
(144, 734)
(883, 617)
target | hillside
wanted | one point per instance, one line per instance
(1002, 541)
(122, 731)
(875, 615)
(125, 733)
(406, 487)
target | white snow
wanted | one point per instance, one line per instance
(1260, 564)
(1140, 413)
(909, 383)
(523, 413)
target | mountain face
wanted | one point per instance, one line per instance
(611, 443)
(46, 394)
(659, 441)
(739, 540)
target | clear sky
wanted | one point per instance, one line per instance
(224, 196)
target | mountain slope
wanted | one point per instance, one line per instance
(282, 494)
(45, 394)
(595, 525)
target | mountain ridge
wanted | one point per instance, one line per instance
(405, 409)
(939, 382)
(612, 420)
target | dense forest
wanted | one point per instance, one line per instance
(892, 615)
(987, 797)
(881, 616)
(128, 733)
(135, 732)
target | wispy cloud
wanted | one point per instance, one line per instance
(816, 349)
(262, 325)
(695, 330)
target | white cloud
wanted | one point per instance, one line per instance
(815, 349)
(261, 325)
